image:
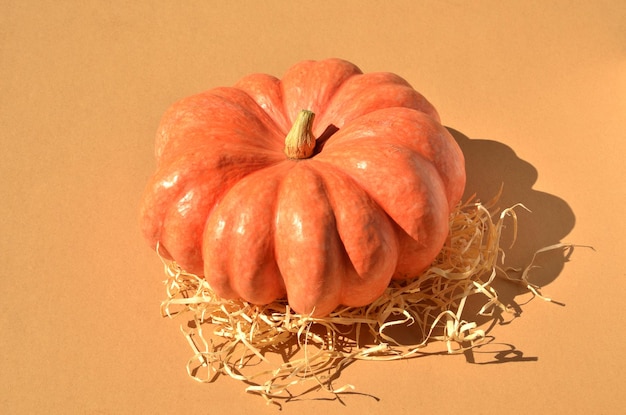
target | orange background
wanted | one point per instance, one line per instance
(535, 92)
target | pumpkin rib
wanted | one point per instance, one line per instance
(365, 93)
(238, 240)
(215, 171)
(307, 244)
(224, 114)
(385, 171)
(181, 231)
(321, 78)
(350, 202)
(366, 233)
(416, 131)
(422, 214)
(266, 91)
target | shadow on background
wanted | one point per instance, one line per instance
(490, 165)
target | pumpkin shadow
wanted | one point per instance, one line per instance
(491, 166)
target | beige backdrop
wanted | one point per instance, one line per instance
(535, 92)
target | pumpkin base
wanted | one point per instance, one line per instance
(413, 317)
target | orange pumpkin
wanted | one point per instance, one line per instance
(322, 206)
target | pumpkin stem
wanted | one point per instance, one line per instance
(300, 142)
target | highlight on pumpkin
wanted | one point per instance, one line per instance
(276, 351)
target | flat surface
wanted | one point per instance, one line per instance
(536, 95)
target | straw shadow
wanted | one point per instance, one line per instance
(490, 352)
(491, 165)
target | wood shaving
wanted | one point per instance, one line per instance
(276, 351)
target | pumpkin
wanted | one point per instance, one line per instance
(319, 188)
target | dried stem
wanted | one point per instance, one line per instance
(300, 142)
